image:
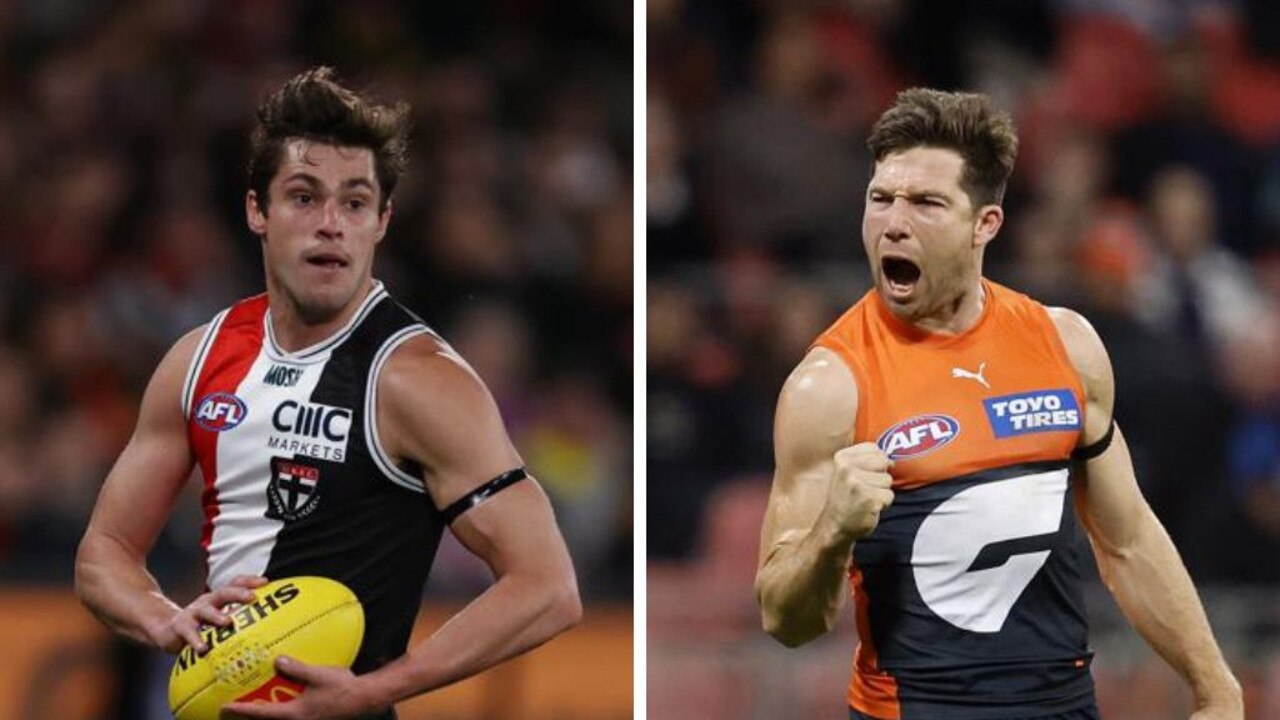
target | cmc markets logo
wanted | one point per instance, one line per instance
(310, 429)
(918, 436)
(220, 411)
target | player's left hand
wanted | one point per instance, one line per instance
(332, 694)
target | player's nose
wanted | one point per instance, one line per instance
(330, 221)
(897, 225)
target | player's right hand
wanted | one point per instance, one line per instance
(859, 489)
(183, 628)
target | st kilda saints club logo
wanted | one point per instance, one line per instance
(294, 490)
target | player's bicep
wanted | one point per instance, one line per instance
(1107, 496)
(515, 531)
(435, 411)
(1108, 499)
(814, 419)
(141, 488)
(795, 502)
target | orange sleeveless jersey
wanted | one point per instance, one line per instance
(967, 594)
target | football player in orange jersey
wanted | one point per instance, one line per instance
(945, 445)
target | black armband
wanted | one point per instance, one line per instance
(1090, 452)
(482, 493)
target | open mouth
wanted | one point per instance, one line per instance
(900, 275)
(328, 261)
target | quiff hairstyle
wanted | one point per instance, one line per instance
(964, 122)
(314, 106)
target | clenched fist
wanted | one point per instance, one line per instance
(859, 489)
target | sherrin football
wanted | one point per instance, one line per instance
(314, 619)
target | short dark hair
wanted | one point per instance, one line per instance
(965, 122)
(314, 106)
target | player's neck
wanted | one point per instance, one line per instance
(293, 331)
(957, 314)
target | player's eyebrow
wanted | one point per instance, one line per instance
(315, 182)
(307, 178)
(911, 194)
(929, 195)
(359, 182)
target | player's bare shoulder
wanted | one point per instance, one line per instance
(164, 397)
(426, 366)
(816, 408)
(183, 350)
(433, 408)
(1084, 347)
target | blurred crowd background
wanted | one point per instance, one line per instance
(123, 150)
(1146, 195)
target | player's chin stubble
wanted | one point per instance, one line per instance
(322, 306)
(315, 305)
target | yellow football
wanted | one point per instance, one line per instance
(313, 619)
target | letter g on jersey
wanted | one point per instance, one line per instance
(220, 411)
(977, 552)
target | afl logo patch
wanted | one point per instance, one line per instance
(220, 411)
(918, 436)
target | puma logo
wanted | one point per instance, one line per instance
(962, 373)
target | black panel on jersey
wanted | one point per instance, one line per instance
(377, 537)
(1035, 664)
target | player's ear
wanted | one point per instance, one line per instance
(384, 218)
(255, 215)
(987, 223)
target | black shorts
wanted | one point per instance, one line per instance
(1084, 713)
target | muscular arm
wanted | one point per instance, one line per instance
(438, 412)
(804, 546)
(1136, 558)
(132, 508)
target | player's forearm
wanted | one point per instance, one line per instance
(800, 587)
(516, 614)
(115, 586)
(1154, 591)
